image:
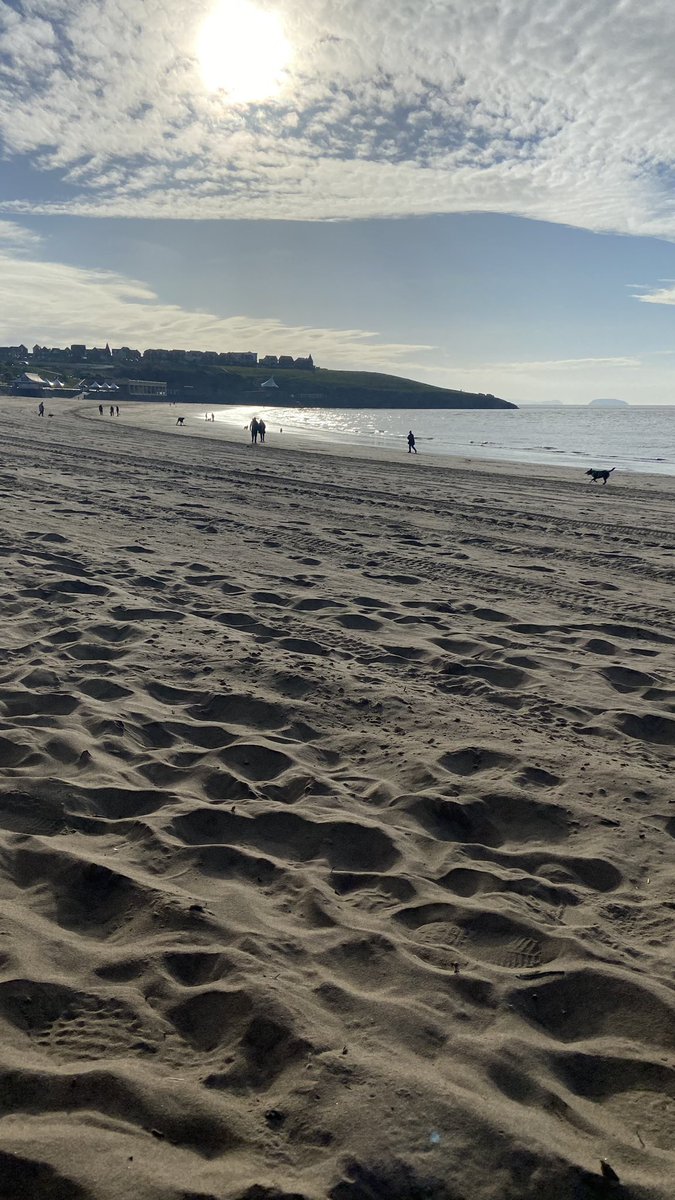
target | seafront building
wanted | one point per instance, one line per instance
(29, 383)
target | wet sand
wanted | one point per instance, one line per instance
(336, 821)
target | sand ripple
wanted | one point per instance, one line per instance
(332, 865)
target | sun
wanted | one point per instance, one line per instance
(243, 51)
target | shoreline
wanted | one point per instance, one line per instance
(156, 416)
(162, 418)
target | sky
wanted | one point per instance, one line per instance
(476, 193)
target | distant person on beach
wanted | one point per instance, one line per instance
(412, 448)
(180, 421)
(117, 410)
(41, 409)
(100, 410)
(112, 410)
(261, 430)
(254, 427)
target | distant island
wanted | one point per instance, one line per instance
(210, 377)
(608, 404)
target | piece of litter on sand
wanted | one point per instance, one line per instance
(435, 1138)
(608, 1172)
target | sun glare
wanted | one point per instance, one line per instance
(243, 51)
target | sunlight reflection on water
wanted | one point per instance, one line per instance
(637, 439)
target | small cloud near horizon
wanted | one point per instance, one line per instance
(658, 295)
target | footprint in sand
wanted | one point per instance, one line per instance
(487, 936)
(75, 1025)
(594, 1002)
(570, 871)
(625, 679)
(357, 621)
(472, 881)
(648, 727)
(636, 1092)
(287, 835)
(470, 760)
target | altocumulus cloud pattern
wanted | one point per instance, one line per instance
(561, 112)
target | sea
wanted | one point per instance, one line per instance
(640, 439)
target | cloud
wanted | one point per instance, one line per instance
(564, 364)
(17, 238)
(561, 112)
(57, 304)
(659, 295)
(61, 304)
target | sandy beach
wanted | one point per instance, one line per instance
(336, 821)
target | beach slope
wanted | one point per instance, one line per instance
(336, 824)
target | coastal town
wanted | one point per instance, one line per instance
(79, 369)
(213, 377)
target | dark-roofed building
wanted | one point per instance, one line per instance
(13, 353)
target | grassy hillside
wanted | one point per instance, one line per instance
(366, 389)
(319, 388)
(321, 379)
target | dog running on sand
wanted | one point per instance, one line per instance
(603, 475)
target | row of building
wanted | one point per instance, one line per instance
(80, 354)
(31, 384)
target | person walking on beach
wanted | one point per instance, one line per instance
(261, 430)
(254, 427)
(41, 409)
(112, 411)
(100, 410)
(117, 410)
(412, 448)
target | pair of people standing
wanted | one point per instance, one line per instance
(257, 428)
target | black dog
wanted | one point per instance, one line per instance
(603, 475)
